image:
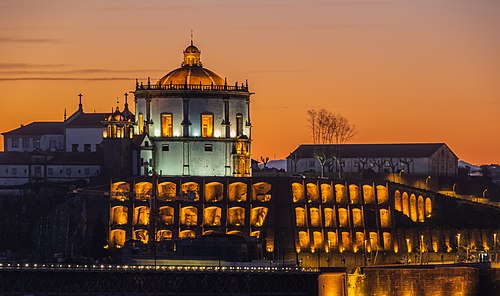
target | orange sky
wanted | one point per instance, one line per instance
(402, 71)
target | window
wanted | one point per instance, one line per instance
(239, 124)
(26, 143)
(50, 171)
(146, 143)
(166, 125)
(208, 147)
(87, 171)
(37, 143)
(38, 171)
(86, 148)
(140, 120)
(74, 147)
(68, 171)
(52, 145)
(207, 125)
(14, 171)
(15, 143)
(165, 147)
(311, 163)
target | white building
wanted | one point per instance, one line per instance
(419, 159)
(196, 124)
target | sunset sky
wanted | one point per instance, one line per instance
(401, 71)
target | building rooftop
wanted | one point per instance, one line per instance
(89, 120)
(37, 128)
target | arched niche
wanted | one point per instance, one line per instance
(312, 192)
(359, 241)
(382, 194)
(354, 194)
(189, 216)
(236, 232)
(212, 216)
(368, 194)
(326, 193)
(143, 190)
(398, 206)
(236, 216)
(346, 241)
(297, 192)
(420, 209)
(413, 208)
(343, 218)
(385, 218)
(387, 241)
(255, 233)
(258, 216)
(315, 215)
(300, 217)
(237, 192)
(117, 238)
(332, 240)
(428, 207)
(340, 194)
(187, 234)
(304, 240)
(190, 191)
(406, 204)
(214, 192)
(329, 217)
(163, 234)
(167, 191)
(357, 217)
(317, 240)
(373, 236)
(120, 191)
(261, 192)
(166, 215)
(141, 235)
(141, 215)
(119, 215)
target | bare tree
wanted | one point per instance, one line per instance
(364, 164)
(321, 157)
(379, 163)
(295, 159)
(329, 128)
(264, 161)
(407, 162)
(393, 164)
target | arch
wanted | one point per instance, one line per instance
(120, 191)
(340, 194)
(332, 239)
(119, 215)
(237, 192)
(212, 216)
(187, 234)
(413, 208)
(397, 201)
(189, 216)
(258, 216)
(190, 190)
(297, 192)
(368, 194)
(317, 240)
(143, 190)
(141, 235)
(261, 192)
(236, 216)
(357, 218)
(167, 190)
(359, 241)
(166, 215)
(386, 236)
(214, 192)
(312, 192)
(315, 215)
(141, 215)
(406, 204)
(373, 240)
(304, 240)
(420, 208)
(236, 232)
(385, 218)
(255, 233)
(354, 194)
(346, 241)
(343, 218)
(163, 234)
(300, 217)
(326, 193)
(428, 207)
(117, 238)
(329, 217)
(382, 194)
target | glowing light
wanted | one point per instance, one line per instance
(196, 134)
(217, 134)
(233, 134)
(157, 133)
(177, 133)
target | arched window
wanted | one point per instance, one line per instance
(413, 208)
(119, 215)
(420, 208)
(166, 125)
(141, 216)
(258, 216)
(428, 207)
(189, 216)
(239, 124)
(214, 191)
(300, 217)
(117, 238)
(237, 192)
(382, 194)
(312, 192)
(120, 190)
(143, 190)
(207, 125)
(261, 192)
(166, 215)
(212, 216)
(397, 201)
(167, 190)
(236, 216)
(326, 193)
(340, 194)
(357, 218)
(315, 217)
(385, 218)
(406, 204)
(354, 193)
(368, 194)
(297, 192)
(343, 218)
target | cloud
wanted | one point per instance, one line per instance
(68, 78)
(27, 40)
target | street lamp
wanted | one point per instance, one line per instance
(408, 251)
(400, 176)
(494, 241)
(427, 182)
(484, 192)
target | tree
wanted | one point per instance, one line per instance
(329, 128)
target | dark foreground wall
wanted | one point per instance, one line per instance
(83, 282)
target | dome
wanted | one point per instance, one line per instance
(116, 116)
(191, 71)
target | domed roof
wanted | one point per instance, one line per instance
(191, 71)
(116, 116)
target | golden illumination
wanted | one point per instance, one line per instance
(304, 240)
(326, 193)
(368, 194)
(420, 209)
(428, 207)
(214, 192)
(340, 194)
(167, 191)
(397, 201)
(141, 216)
(237, 192)
(317, 240)
(189, 216)
(385, 218)
(187, 234)
(300, 217)
(166, 215)
(354, 194)
(141, 235)
(261, 192)
(382, 194)
(386, 236)
(117, 238)
(236, 216)
(315, 217)
(297, 192)
(312, 192)
(258, 216)
(166, 125)
(357, 218)
(119, 215)
(343, 218)
(413, 208)
(207, 125)
(190, 190)
(119, 191)
(346, 241)
(140, 122)
(406, 204)
(143, 190)
(329, 217)
(163, 234)
(212, 216)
